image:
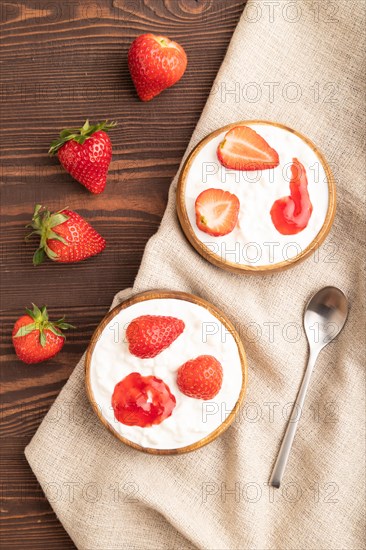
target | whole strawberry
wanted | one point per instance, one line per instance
(149, 335)
(201, 377)
(65, 236)
(155, 63)
(86, 154)
(35, 338)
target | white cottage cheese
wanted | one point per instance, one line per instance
(192, 419)
(255, 240)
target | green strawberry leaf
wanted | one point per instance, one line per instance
(27, 237)
(26, 329)
(36, 311)
(56, 237)
(85, 127)
(43, 221)
(50, 253)
(44, 313)
(57, 219)
(37, 208)
(53, 329)
(42, 324)
(38, 256)
(66, 132)
(42, 338)
(79, 134)
(63, 326)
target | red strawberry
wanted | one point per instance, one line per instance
(155, 63)
(291, 214)
(217, 212)
(65, 236)
(35, 338)
(86, 154)
(149, 335)
(201, 377)
(244, 149)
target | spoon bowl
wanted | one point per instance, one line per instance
(325, 316)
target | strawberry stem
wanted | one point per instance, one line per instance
(42, 323)
(80, 135)
(43, 224)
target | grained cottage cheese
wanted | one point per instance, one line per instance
(192, 419)
(255, 241)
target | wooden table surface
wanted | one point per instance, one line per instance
(64, 61)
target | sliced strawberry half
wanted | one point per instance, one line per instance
(244, 149)
(217, 212)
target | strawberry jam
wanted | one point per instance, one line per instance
(291, 214)
(142, 400)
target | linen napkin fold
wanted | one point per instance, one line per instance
(298, 63)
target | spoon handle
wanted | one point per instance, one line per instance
(284, 452)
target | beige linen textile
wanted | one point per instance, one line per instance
(300, 65)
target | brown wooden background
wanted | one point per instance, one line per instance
(64, 61)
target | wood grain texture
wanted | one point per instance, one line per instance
(63, 61)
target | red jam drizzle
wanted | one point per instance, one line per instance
(142, 400)
(291, 214)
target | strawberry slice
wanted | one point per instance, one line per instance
(244, 149)
(217, 212)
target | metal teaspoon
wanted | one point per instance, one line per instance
(324, 319)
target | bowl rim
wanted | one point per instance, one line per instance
(167, 294)
(210, 256)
